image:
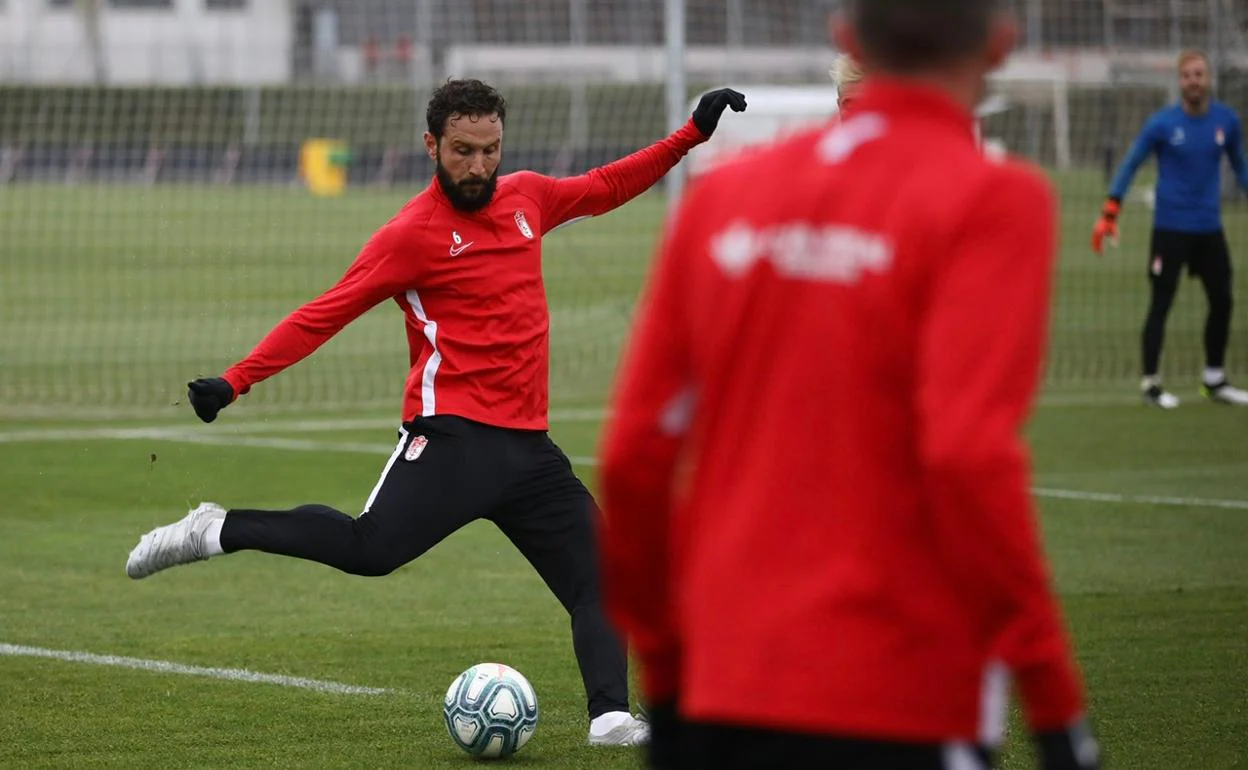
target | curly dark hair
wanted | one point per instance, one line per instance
(463, 97)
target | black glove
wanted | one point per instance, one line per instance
(1071, 749)
(712, 105)
(209, 396)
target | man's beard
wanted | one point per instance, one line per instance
(467, 198)
(1195, 97)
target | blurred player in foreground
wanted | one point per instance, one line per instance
(818, 531)
(1189, 139)
(462, 261)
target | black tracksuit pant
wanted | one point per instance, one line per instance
(447, 472)
(679, 744)
(1205, 255)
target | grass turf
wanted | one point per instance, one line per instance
(112, 297)
(1155, 594)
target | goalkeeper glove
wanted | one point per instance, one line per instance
(1073, 748)
(209, 396)
(712, 105)
(1107, 225)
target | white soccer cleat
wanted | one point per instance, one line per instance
(629, 732)
(179, 543)
(1155, 395)
(1225, 393)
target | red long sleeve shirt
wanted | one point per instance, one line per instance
(470, 288)
(816, 500)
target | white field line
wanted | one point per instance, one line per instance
(1058, 399)
(282, 425)
(167, 667)
(267, 442)
(1111, 497)
(1062, 478)
(233, 437)
(239, 436)
(303, 445)
(195, 431)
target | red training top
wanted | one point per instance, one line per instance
(470, 287)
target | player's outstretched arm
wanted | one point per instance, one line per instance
(981, 350)
(610, 186)
(374, 276)
(1106, 228)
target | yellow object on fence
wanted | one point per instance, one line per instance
(323, 166)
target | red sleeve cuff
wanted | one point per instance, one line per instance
(239, 385)
(689, 136)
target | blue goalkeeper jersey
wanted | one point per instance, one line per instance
(1189, 152)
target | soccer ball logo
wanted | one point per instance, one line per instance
(490, 710)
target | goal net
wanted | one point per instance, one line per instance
(178, 175)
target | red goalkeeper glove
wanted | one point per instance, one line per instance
(1106, 226)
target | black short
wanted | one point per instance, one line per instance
(1204, 254)
(702, 746)
(447, 471)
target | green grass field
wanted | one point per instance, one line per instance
(112, 297)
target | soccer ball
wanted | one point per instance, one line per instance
(490, 710)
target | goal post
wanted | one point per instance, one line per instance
(1028, 84)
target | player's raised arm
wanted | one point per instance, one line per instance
(610, 186)
(372, 277)
(1107, 225)
(651, 413)
(981, 351)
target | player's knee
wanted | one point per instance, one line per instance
(373, 569)
(1159, 308)
(374, 562)
(372, 553)
(582, 597)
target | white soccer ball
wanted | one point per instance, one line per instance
(490, 710)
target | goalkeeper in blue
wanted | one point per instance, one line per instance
(1189, 139)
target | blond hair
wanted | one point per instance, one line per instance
(846, 72)
(1191, 55)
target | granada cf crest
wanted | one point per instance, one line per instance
(523, 224)
(415, 448)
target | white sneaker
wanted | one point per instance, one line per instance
(1225, 393)
(179, 543)
(631, 731)
(1154, 395)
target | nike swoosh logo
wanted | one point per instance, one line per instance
(455, 252)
